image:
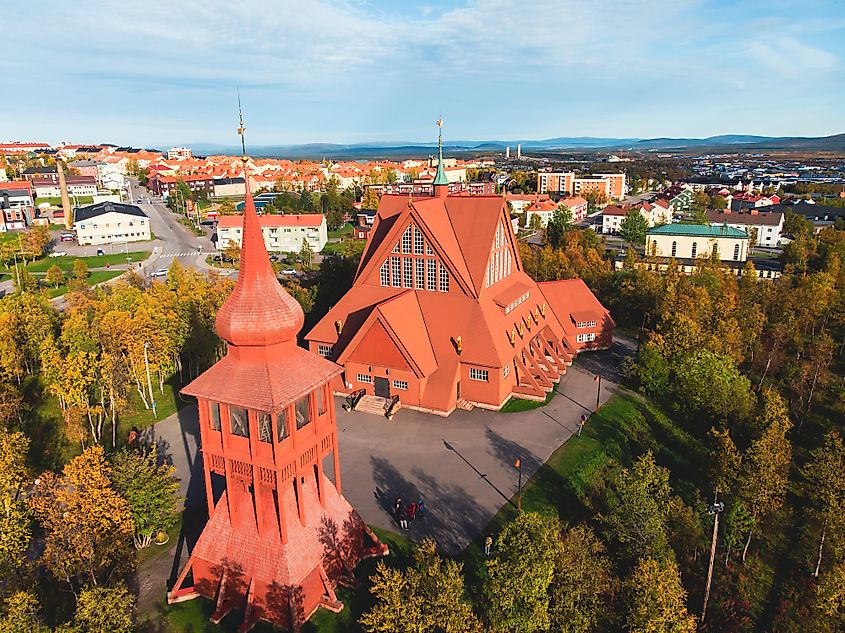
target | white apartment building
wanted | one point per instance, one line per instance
(764, 228)
(179, 152)
(282, 233)
(110, 223)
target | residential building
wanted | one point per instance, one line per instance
(543, 210)
(228, 187)
(16, 207)
(76, 186)
(166, 185)
(763, 227)
(577, 205)
(85, 167)
(282, 233)
(612, 186)
(40, 173)
(16, 147)
(518, 201)
(110, 223)
(179, 152)
(655, 213)
(442, 315)
(691, 241)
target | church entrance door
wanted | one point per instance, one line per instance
(382, 387)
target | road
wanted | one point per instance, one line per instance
(173, 241)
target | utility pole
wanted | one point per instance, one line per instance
(149, 382)
(714, 510)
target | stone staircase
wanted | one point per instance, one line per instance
(464, 405)
(374, 405)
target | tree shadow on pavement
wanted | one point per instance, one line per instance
(452, 517)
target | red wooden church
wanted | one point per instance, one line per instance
(443, 316)
(280, 534)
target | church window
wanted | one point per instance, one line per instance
(429, 250)
(407, 272)
(736, 252)
(303, 411)
(694, 249)
(240, 421)
(674, 248)
(396, 265)
(282, 426)
(419, 242)
(419, 278)
(396, 248)
(506, 371)
(402, 385)
(444, 279)
(482, 375)
(365, 378)
(384, 274)
(215, 416)
(431, 278)
(265, 431)
(406, 240)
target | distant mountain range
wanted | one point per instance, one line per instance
(725, 143)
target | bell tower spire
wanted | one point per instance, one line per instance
(441, 183)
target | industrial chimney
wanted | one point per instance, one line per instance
(507, 153)
(65, 198)
(519, 152)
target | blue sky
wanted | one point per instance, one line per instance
(155, 73)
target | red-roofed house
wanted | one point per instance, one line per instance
(442, 315)
(577, 205)
(282, 233)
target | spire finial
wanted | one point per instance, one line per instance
(241, 128)
(440, 177)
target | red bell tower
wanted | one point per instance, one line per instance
(280, 534)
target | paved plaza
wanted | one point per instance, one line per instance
(463, 465)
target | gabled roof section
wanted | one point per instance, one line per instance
(402, 319)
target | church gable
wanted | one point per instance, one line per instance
(411, 263)
(378, 346)
(500, 263)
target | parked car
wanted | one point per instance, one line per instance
(288, 271)
(100, 251)
(67, 237)
(161, 272)
(57, 254)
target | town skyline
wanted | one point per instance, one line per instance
(372, 72)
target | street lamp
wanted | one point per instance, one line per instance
(597, 378)
(149, 382)
(518, 465)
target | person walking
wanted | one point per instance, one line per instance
(412, 510)
(397, 509)
(488, 545)
(403, 519)
(420, 508)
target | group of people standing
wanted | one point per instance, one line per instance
(405, 512)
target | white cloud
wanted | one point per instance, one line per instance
(789, 56)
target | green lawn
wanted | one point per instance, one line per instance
(96, 261)
(622, 430)
(346, 229)
(57, 200)
(515, 405)
(94, 278)
(332, 248)
(8, 236)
